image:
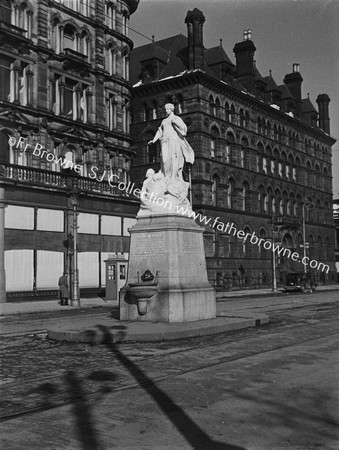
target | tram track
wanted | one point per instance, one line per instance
(184, 361)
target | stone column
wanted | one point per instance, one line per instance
(2, 246)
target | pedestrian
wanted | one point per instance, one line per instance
(63, 290)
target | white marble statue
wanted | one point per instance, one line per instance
(168, 183)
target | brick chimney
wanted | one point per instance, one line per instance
(294, 81)
(244, 55)
(323, 101)
(195, 20)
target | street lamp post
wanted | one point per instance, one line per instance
(75, 301)
(305, 244)
(274, 271)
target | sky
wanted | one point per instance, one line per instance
(283, 31)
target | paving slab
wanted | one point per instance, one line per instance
(110, 329)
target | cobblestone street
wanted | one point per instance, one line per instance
(223, 391)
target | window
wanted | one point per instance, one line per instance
(180, 104)
(280, 169)
(5, 11)
(15, 81)
(294, 173)
(211, 106)
(242, 157)
(264, 164)
(111, 60)
(85, 44)
(154, 111)
(111, 111)
(125, 66)
(215, 184)
(81, 6)
(229, 193)
(84, 7)
(227, 112)
(70, 40)
(233, 115)
(152, 153)
(125, 116)
(4, 148)
(70, 98)
(125, 21)
(110, 15)
(5, 79)
(245, 197)
(258, 162)
(213, 141)
(20, 17)
(228, 152)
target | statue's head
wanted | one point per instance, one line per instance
(150, 173)
(169, 107)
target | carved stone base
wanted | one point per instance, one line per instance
(171, 247)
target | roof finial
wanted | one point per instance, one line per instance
(220, 42)
(270, 73)
(153, 37)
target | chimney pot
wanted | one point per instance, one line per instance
(245, 35)
(249, 34)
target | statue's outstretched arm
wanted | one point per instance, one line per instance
(157, 136)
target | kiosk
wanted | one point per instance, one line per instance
(116, 275)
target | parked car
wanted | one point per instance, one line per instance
(299, 282)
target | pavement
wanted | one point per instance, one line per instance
(101, 323)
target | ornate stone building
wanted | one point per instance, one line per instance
(263, 152)
(64, 141)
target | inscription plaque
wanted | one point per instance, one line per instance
(150, 244)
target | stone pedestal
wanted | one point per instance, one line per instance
(171, 247)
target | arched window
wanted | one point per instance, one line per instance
(214, 141)
(246, 245)
(215, 184)
(245, 196)
(110, 15)
(111, 59)
(262, 251)
(146, 116)
(180, 104)
(270, 200)
(233, 115)
(70, 38)
(229, 147)
(211, 105)
(262, 199)
(227, 112)
(154, 111)
(125, 116)
(111, 111)
(85, 44)
(218, 108)
(230, 193)
(151, 148)
(242, 118)
(243, 152)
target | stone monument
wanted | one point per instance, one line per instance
(167, 277)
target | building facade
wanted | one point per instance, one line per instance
(65, 141)
(263, 153)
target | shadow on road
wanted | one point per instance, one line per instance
(193, 434)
